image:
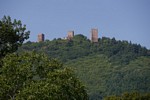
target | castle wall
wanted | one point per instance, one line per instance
(40, 37)
(70, 35)
(94, 35)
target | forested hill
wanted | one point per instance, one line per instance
(121, 52)
(109, 67)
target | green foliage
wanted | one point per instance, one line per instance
(12, 35)
(61, 49)
(32, 76)
(121, 52)
(130, 96)
(92, 70)
(104, 78)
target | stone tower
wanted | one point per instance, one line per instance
(40, 37)
(70, 35)
(94, 35)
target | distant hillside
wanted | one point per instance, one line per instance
(107, 67)
(102, 78)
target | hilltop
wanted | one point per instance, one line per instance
(108, 67)
(118, 51)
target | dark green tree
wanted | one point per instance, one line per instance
(12, 35)
(31, 76)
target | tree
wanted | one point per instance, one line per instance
(32, 76)
(12, 35)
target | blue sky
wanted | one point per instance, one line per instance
(122, 19)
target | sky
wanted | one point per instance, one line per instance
(123, 19)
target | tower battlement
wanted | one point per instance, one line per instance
(70, 35)
(94, 35)
(40, 37)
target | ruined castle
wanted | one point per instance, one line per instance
(70, 35)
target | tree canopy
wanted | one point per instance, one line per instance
(12, 35)
(32, 76)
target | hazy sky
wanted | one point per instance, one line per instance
(122, 19)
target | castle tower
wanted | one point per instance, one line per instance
(94, 35)
(40, 37)
(70, 35)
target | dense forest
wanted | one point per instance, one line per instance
(109, 67)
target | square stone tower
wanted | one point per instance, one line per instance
(94, 35)
(40, 37)
(70, 35)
